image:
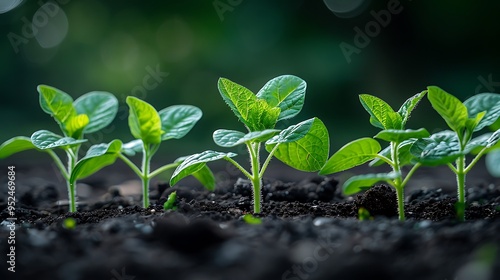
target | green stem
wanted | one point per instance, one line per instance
(237, 165)
(163, 169)
(398, 182)
(256, 179)
(130, 164)
(267, 161)
(72, 196)
(410, 173)
(59, 164)
(146, 161)
(401, 202)
(461, 187)
(475, 160)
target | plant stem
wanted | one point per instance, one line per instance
(461, 188)
(256, 180)
(145, 175)
(398, 182)
(401, 202)
(59, 164)
(71, 185)
(130, 164)
(163, 168)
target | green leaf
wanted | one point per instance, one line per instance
(493, 162)
(251, 219)
(472, 123)
(352, 154)
(493, 139)
(359, 183)
(305, 150)
(75, 125)
(15, 145)
(178, 120)
(381, 112)
(449, 107)
(205, 177)
(170, 203)
(101, 108)
(255, 113)
(195, 163)
(56, 103)
(409, 105)
(133, 147)
(440, 148)
(97, 157)
(484, 102)
(231, 138)
(144, 121)
(398, 136)
(286, 92)
(44, 139)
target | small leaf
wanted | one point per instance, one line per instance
(440, 148)
(15, 145)
(398, 136)
(472, 123)
(57, 103)
(409, 105)
(305, 150)
(255, 113)
(251, 219)
(352, 154)
(178, 120)
(170, 203)
(44, 139)
(97, 157)
(286, 92)
(132, 147)
(484, 102)
(359, 183)
(231, 138)
(381, 112)
(76, 124)
(101, 108)
(144, 121)
(493, 162)
(449, 107)
(195, 163)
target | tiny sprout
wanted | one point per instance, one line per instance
(69, 223)
(170, 203)
(251, 219)
(364, 214)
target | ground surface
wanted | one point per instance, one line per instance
(308, 231)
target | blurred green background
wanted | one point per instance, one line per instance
(80, 46)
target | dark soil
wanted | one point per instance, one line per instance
(308, 231)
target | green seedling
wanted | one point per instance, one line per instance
(89, 113)
(170, 203)
(451, 147)
(397, 154)
(251, 219)
(151, 128)
(364, 214)
(69, 223)
(303, 146)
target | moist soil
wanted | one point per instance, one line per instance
(308, 229)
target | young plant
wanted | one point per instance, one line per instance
(397, 154)
(451, 147)
(150, 128)
(89, 113)
(303, 146)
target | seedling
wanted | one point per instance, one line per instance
(69, 223)
(251, 219)
(170, 203)
(150, 128)
(303, 146)
(364, 214)
(89, 113)
(451, 147)
(397, 154)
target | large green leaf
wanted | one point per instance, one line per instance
(440, 148)
(359, 183)
(255, 113)
(484, 102)
(44, 139)
(144, 121)
(15, 145)
(101, 108)
(57, 103)
(286, 92)
(452, 110)
(97, 157)
(178, 120)
(381, 112)
(398, 136)
(305, 150)
(352, 154)
(408, 106)
(231, 138)
(196, 163)
(493, 162)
